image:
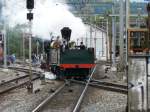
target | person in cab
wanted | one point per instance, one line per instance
(82, 46)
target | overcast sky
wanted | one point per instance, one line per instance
(139, 0)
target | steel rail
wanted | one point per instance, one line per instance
(41, 105)
(22, 69)
(77, 106)
(110, 88)
(16, 86)
(21, 77)
(109, 83)
(105, 87)
(15, 79)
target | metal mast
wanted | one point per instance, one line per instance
(30, 6)
(121, 40)
(127, 26)
(113, 38)
(4, 34)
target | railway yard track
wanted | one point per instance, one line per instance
(105, 85)
(77, 101)
(72, 93)
(77, 95)
(6, 86)
(26, 70)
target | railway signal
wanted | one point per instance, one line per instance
(30, 16)
(30, 6)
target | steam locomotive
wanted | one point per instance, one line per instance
(69, 63)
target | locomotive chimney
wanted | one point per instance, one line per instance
(66, 33)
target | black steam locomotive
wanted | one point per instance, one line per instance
(68, 62)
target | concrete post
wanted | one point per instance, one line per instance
(90, 36)
(127, 26)
(121, 40)
(4, 34)
(23, 46)
(113, 39)
(107, 41)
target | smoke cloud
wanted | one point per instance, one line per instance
(49, 16)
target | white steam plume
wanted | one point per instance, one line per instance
(49, 16)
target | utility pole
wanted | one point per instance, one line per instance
(127, 26)
(4, 34)
(121, 40)
(107, 40)
(148, 26)
(102, 44)
(23, 46)
(77, 41)
(86, 40)
(37, 47)
(113, 38)
(5, 48)
(43, 48)
(139, 17)
(90, 36)
(95, 42)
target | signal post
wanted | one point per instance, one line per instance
(30, 6)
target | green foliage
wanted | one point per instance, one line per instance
(14, 41)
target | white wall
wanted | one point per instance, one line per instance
(100, 41)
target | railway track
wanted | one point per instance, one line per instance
(47, 100)
(74, 103)
(115, 87)
(109, 83)
(11, 84)
(23, 70)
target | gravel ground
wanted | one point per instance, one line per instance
(98, 100)
(19, 100)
